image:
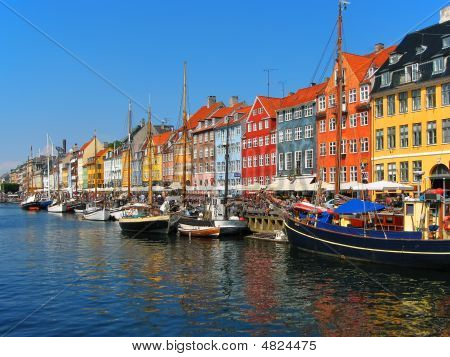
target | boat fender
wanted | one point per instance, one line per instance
(447, 223)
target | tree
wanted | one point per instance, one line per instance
(7, 187)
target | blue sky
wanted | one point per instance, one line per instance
(141, 45)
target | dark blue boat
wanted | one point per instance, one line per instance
(387, 247)
(44, 203)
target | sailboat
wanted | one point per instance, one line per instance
(95, 213)
(141, 219)
(58, 206)
(44, 202)
(331, 233)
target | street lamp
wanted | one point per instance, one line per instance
(419, 175)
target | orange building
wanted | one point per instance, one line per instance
(358, 74)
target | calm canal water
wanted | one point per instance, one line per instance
(62, 276)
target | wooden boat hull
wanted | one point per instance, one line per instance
(412, 252)
(58, 208)
(199, 231)
(227, 227)
(147, 224)
(102, 214)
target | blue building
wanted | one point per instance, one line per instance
(296, 133)
(233, 124)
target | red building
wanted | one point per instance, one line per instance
(259, 143)
(358, 73)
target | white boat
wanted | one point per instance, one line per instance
(57, 208)
(101, 214)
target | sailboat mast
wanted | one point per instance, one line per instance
(149, 156)
(95, 164)
(185, 128)
(129, 149)
(339, 82)
(227, 160)
(32, 170)
(48, 170)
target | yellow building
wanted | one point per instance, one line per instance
(96, 177)
(411, 111)
(157, 143)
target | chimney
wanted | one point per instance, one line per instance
(234, 100)
(445, 14)
(142, 122)
(211, 100)
(313, 84)
(64, 145)
(378, 47)
(290, 93)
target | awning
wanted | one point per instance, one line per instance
(387, 186)
(355, 206)
(280, 184)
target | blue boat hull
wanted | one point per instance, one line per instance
(45, 204)
(413, 252)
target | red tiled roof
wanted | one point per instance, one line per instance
(303, 95)
(223, 112)
(270, 104)
(85, 145)
(242, 110)
(161, 138)
(203, 113)
(102, 152)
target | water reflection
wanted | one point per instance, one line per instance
(159, 286)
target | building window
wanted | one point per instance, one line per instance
(280, 161)
(261, 160)
(274, 158)
(352, 96)
(446, 94)
(438, 65)
(298, 162)
(297, 113)
(273, 138)
(416, 100)
(343, 122)
(322, 103)
(255, 142)
(446, 42)
(255, 161)
(417, 134)
(344, 174)
(260, 125)
(308, 131)
(403, 136)
(333, 148)
(379, 107)
(417, 167)
(364, 93)
(364, 118)
(353, 173)
(431, 97)
(353, 146)
(249, 143)
(391, 104)
(392, 172)
(249, 127)
(411, 73)
(254, 127)
(332, 124)
(353, 120)
(323, 174)
(195, 139)
(379, 139)
(364, 144)
(266, 124)
(323, 149)
(309, 159)
(385, 79)
(267, 140)
(280, 118)
(288, 135)
(332, 174)
(322, 126)
(244, 144)
(280, 136)
(244, 162)
(403, 102)
(266, 160)
(343, 146)
(288, 115)
(431, 133)
(308, 110)
(379, 172)
(331, 100)
(391, 137)
(446, 131)
(298, 133)
(404, 171)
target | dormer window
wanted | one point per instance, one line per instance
(236, 116)
(438, 65)
(385, 79)
(421, 49)
(446, 42)
(394, 58)
(371, 71)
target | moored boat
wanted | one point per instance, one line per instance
(198, 231)
(99, 214)
(57, 208)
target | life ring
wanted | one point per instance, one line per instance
(447, 223)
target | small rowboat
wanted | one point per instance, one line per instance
(198, 231)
